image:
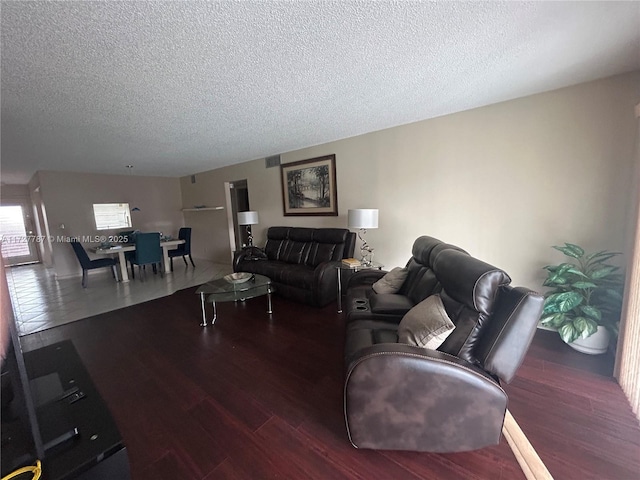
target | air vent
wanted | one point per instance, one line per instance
(272, 161)
(193, 179)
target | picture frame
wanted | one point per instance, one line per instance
(309, 187)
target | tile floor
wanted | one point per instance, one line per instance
(41, 301)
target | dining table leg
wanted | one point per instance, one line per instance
(204, 310)
(124, 274)
(166, 260)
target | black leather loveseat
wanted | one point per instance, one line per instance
(404, 397)
(301, 262)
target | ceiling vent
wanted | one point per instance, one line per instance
(272, 161)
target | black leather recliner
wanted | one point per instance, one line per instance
(402, 397)
(301, 262)
(421, 282)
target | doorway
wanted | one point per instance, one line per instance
(18, 236)
(237, 193)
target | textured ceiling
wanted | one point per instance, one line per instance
(176, 88)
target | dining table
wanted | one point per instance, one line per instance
(121, 249)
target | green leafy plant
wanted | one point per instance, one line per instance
(585, 293)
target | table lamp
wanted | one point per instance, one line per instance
(248, 218)
(363, 218)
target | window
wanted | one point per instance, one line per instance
(112, 215)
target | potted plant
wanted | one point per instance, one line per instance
(585, 299)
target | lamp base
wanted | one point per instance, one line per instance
(366, 252)
(249, 236)
(366, 257)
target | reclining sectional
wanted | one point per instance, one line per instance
(301, 262)
(400, 396)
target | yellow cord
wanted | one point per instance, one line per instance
(37, 471)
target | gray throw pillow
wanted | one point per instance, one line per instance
(392, 281)
(426, 325)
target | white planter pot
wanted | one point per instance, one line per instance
(596, 344)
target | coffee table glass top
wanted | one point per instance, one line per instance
(221, 290)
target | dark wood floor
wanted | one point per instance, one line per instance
(255, 397)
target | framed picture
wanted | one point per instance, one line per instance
(309, 187)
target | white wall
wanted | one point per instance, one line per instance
(69, 198)
(504, 182)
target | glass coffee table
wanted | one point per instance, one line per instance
(221, 290)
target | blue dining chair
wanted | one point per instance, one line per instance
(127, 236)
(148, 252)
(130, 238)
(87, 264)
(183, 249)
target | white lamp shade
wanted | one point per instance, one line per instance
(247, 218)
(362, 218)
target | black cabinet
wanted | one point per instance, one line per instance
(83, 439)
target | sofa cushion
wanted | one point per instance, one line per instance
(390, 304)
(276, 242)
(330, 235)
(271, 269)
(365, 333)
(392, 281)
(473, 285)
(300, 276)
(295, 252)
(422, 247)
(468, 280)
(426, 325)
(301, 234)
(328, 245)
(424, 285)
(300, 241)
(323, 252)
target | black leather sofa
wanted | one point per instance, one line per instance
(402, 397)
(301, 262)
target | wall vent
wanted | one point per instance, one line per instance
(193, 179)
(272, 161)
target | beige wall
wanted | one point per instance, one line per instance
(69, 198)
(210, 231)
(14, 191)
(504, 182)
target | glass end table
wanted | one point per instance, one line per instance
(220, 290)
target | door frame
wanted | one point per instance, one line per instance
(231, 192)
(29, 226)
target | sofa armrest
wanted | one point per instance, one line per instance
(400, 397)
(507, 337)
(365, 277)
(325, 283)
(248, 253)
